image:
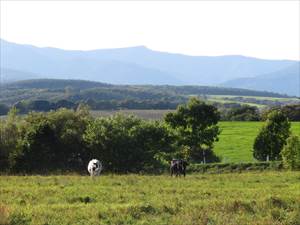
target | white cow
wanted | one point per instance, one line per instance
(94, 167)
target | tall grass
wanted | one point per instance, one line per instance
(236, 198)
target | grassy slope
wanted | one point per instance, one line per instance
(237, 138)
(228, 199)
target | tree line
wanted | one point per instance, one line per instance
(228, 111)
(66, 139)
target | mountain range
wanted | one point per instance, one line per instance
(140, 65)
(286, 80)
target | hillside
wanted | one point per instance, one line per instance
(133, 65)
(285, 81)
(75, 90)
(51, 94)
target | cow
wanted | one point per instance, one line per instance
(178, 167)
(94, 167)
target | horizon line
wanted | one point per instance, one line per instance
(147, 48)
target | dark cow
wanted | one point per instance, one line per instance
(178, 167)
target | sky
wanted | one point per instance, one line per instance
(262, 29)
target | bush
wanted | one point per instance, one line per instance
(291, 153)
(51, 142)
(272, 137)
(126, 143)
(244, 113)
(234, 167)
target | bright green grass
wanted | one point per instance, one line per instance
(223, 199)
(237, 138)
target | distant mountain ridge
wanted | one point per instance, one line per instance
(10, 75)
(285, 81)
(133, 65)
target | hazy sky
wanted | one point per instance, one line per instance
(264, 29)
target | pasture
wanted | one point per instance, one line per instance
(257, 101)
(237, 138)
(228, 199)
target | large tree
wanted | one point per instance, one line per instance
(272, 137)
(196, 126)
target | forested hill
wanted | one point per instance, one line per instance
(54, 84)
(51, 94)
(79, 87)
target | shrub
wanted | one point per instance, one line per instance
(51, 141)
(272, 137)
(244, 113)
(291, 153)
(126, 143)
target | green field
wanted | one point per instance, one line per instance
(256, 101)
(237, 138)
(223, 199)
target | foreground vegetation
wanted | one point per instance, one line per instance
(224, 199)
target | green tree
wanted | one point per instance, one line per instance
(291, 153)
(244, 113)
(9, 137)
(272, 137)
(52, 141)
(35, 152)
(196, 126)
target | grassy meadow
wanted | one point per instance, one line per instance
(228, 199)
(257, 101)
(237, 138)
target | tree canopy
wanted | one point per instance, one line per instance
(272, 137)
(196, 127)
